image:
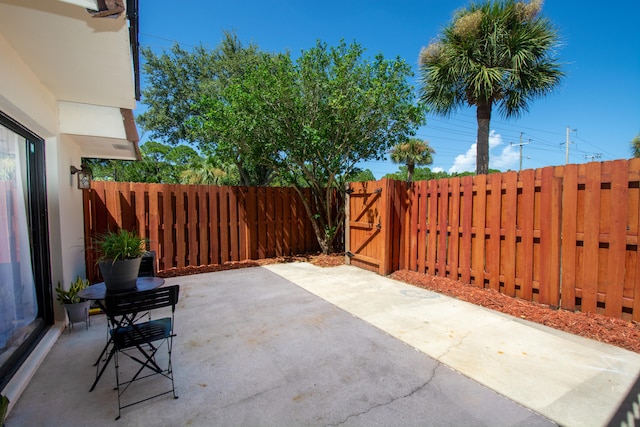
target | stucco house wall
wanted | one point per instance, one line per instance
(67, 77)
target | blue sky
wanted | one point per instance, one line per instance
(599, 98)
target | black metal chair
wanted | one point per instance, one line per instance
(139, 341)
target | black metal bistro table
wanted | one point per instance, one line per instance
(98, 292)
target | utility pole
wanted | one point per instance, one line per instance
(593, 157)
(521, 144)
(567, 142)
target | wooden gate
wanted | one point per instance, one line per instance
(368, 225)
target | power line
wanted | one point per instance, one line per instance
(521, 144)
(167, 40)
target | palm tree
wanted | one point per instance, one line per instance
(492, 53)
(203, 172)
(635, 146)
(413, 152)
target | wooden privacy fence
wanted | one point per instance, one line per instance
(193, 225)
(564, 236)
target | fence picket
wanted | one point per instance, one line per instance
(192, 225)
(509, 225)
(423, 223)
(454, 237)
(443, 222)
(569, 227)
(234, 226)
(432, 227)
(527, 226)
(494, 209)
(169, 227)
(181, 218)
(591, 241)
(467, 224)
(617, 238)
(479, 237)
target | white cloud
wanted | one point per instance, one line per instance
(502, 158)
(507, 159)
(465, 162)
(437, 169)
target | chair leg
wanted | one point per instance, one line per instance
(116, 362)
(149, 362)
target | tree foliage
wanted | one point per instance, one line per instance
(208, 171)
(185, 88)
(425, 174)
(305, 123)
(635, 146)
(498, 53)
(160, 163)
(360, 175)
(313, 120)
(412, 152)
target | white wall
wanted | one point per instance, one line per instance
(23, 97)
(27, 101)
(66, 222)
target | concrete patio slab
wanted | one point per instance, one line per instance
(258, 347)
(571, 380)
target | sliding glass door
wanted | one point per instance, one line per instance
(25, 300)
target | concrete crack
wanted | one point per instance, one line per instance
(456, 345)
(395, 399)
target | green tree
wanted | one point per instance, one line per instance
(174, 79)
(635, 146)
(412, 152)
(360, 175)
(492, 53)
(186, 89)
(314, 119)
(349, 110)
(208, 172)
(420, 174)
(160, 163)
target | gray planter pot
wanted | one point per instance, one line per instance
(121, 275)
(78, 312)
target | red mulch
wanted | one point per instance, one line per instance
(618, 332)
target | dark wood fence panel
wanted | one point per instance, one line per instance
(562, 236)
(193, 225)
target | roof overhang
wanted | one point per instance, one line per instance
(102, 132)
(86, 63)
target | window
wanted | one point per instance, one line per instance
(25, 296)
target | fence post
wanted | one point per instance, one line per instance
(347, 223)
(387, 227)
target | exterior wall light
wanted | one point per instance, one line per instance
(84, 177)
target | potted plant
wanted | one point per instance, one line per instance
(120, 255)
(77, 309)
(4, 407)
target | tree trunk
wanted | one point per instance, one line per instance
(410, 169)
(317, 222)
(483, 114)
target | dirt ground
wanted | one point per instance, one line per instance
(616, 332)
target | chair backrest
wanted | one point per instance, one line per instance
(135, 302)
